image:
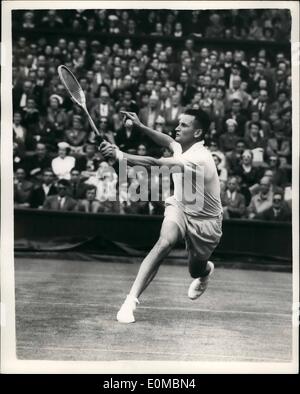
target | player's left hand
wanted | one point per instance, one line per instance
(107, 150)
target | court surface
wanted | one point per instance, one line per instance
(65, 310)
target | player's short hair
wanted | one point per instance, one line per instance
(201, 118)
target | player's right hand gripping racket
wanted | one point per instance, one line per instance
(75, 90)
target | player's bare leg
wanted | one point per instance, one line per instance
(169, 236)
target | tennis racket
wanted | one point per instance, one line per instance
(75, 91)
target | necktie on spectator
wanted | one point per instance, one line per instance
(90, 206)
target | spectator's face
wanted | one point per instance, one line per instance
(264, 185)
(62, 152)
(259, 68)
(54, 103)
(145, 49)
(232, 184)
(273, 161)
(254, 130)
(282, 98)
(164, 93)
(48, 50)
(247, 158)
(244, 86)
(213, 93)
(228, 56)
(117, 72)
(75, 176)
(41, 150)
(263, 95)
(220, 94)
(141, 150)
(158, 28)
(207, 81)
(279, 75)
(91, 194)
(255, 116)
(269, 174)
(240, 147)
(90, 150)
(127, 96)
(17, 118)
(236, 83)
(203, 68)
(204, 53)
(20, 174)
(104, 98)
(27, 87)
(62, 190)
(277, 201)
(282, 67)
(48, 177)
(236, 107)
(127, 81)
(30, 104)
(213, 60)
(231, 128)
(41, 73)
(214, 73)
(103, 124)
(62, 43)
(153, 102)
(22, 42)
(149, 85)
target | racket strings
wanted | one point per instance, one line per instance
(72, 85)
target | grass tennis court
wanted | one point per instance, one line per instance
(65, 310)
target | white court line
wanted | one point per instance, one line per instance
(216, 356)
(171, 280)
(160, 308)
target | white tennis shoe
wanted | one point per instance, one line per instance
(199, 285)
(125, 314)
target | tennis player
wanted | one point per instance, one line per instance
(199, 223)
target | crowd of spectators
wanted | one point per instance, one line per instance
(57, 164)
(253, 24)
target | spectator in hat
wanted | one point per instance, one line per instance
(63, 163)
(60, 201)
(234, 204)
(56, 116)
(228, 140)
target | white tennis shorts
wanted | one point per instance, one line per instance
(201, 235)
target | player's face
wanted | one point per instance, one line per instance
(185, 130)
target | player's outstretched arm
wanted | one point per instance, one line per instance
(110, 151)
(158, 137)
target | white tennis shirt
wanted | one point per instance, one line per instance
(197, 189)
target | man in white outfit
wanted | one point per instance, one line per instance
(199, 222)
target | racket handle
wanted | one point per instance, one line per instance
(93, 124)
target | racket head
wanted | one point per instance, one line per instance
(72, 85)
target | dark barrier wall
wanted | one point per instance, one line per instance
(240, 237)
